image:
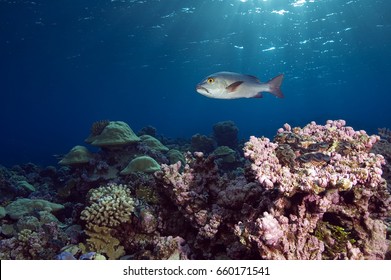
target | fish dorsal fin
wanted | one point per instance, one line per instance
(232, 87)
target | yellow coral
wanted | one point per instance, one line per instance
(24, 235)
(102, 242)
(109, 206)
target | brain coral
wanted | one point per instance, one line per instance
(109, 206)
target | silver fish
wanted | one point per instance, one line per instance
(229, 85)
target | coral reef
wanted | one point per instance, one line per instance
(383, 147)
(144, 164)
(42, 242)
(324, 175)
(109, 206)
(101, 240)
(189, 191)
(113, 134)
(225, 153)
(148, 130)
(25, 206)
(202, 143)
(2, 212)
(77, 155)
(385, 133)
(98, 127)
(153, 143)
(226, 134)
(317, 192)
(174, 156)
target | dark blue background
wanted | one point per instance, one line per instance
(65, 64)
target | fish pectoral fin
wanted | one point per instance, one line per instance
(232, 87)
(258, 95)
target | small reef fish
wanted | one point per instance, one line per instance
(229, 85)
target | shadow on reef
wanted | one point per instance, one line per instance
(317, 192)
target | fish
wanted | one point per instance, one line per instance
(230, 85)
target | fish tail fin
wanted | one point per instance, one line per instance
(274, 86)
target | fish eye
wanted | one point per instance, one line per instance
(210, 80)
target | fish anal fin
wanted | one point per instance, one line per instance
(232, 87)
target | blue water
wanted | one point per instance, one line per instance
(65, 64)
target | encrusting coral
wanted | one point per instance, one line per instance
(25, 206)
(101, 240)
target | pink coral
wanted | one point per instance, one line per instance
(329, 184)
(270, 229)
(312, 193)
(189, 191)
(343, 158)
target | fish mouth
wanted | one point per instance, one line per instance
(201, 89)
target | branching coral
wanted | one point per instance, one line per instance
(383, 147)
(42, 243)
(327, 177)
(98, 126)
(385, 133)
(109, 206)
(190, 192)
(315, 192)
(318, 157)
